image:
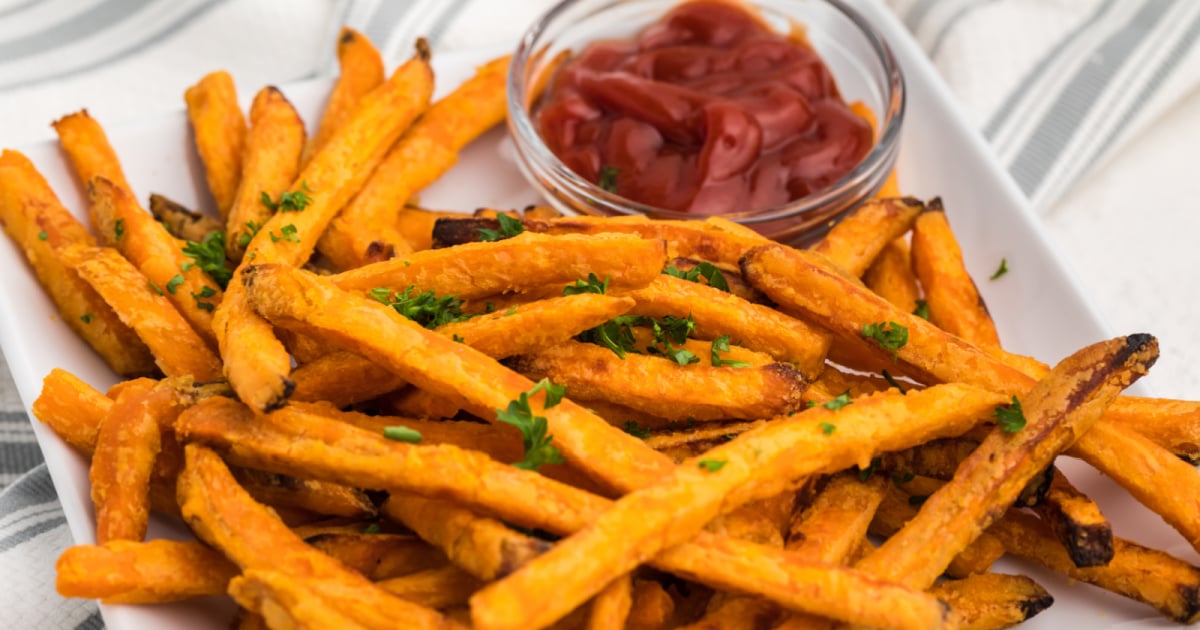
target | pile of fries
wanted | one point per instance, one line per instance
(522, 420)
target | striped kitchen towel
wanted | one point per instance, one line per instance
(1056, 86)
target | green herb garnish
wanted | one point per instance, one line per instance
(1010, 419)
(289, 201)
(922, 310)
(209, 256)
(174, 283)
(509, 227)
(426, 309)
(710, 272)
(538, 449)
(889, 335)
(712, 465)
(1000, 271)
(719, 345)
(402, 434)
(593, 284)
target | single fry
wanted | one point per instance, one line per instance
(439, 588)
(342, 378)
(899, 507)
(365, 229)
(270, 161)
(378, 556)
(88, 149)
(40, 226)
(182, 222)
(153, 572)
(318, 497)
(892, 278)
(178, 350)
(219, 128)
(593, 372)
(157, 254)
(361, 71)
(856, 241)
(285, 601)
(1077, 522)
(72, 408)
(127, 444)
(954, 301)
(993, 600)
(611, 607)
(1172, 424)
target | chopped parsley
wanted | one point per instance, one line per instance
(286, 233)
(616, 334)
(252, 228)
(538, 449)
(631, 427)
(512, 310)
(509, 227)
(1001, 270)
(593, 284)
(842, 400)
(209, 256)
(1010, 419)
(173, 283)
(402, 434)
(426, 309)
(827, 428)
(608, 178)
(893, 382)
(119, 229)
(43, 235)
(889, 335)
(671, 330)
(719, 345)
(154, 287)
(205, 292)
(289, 201)
(710, 272)
(712, 465)
(922, 310)
(86, 318)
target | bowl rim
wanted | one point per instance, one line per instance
(521, 126)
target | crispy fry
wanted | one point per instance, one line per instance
(342, 378)
(856, 241)
(361, 71)
(1077, 522)
(699, 438)
(438, 588)
(954, 301)
(530, 261)
(72, 408)
(593, 372)
(892, 278)
(481, 546)
(1172, 424)
(157, 254)
(993, 600)
(87, 147)
(611, 607)
(733, 277)
(644, 340)
(754, 465)
(899, 507)
(126, 447)
(416, 225)
(378, 556)
(414, 402)
(219, 511)
(29, 209)
(754, 326)
(270, 161)
(219, 129)
(127, 572)
(285, 601)
(422, 154)
(1064, 405)
(256, 364)
(1153, 577)
(178, 350)
(317, 497)
(180, 221)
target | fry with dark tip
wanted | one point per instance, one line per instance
(270, 161)
(988, 601)
(40, 226)
(127, 444)
(954, 301)
(219, 129)
(483, 547)
(153, 572)
(256, 363)
(1077, 522)
(158, 255)
(856, 241)
(1058, 410)
(593, 372)
(361, 71)
(423, 153)
(182, 222)
(892, 278)
(753, 465)
(221, 513)
(1168, 584)
(142, 305)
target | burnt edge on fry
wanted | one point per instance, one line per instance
(450, 231)
(1134, 343)
(1097, 548)
(514, 556)
(1031, 607)
(379, 251)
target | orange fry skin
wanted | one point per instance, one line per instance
(361, 71)
(122, 464)
(892, 278)
(855, 242)
(88, 149)
(153, 572)
(219, 128)
(72, 408)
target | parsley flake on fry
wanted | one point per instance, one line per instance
(593, 284)
(86, 318)
(173, 283)
(1010, 419)
(631, 427)
(402, 434)
(43, 235)
(509, 227)
(209, 256)
(842, 400)
(889, 335)
(719, 345)
(119, 229)
(538, 449)
(827, 428)
(712, 465)
(252, 228)
(922, 310)
(708, 271)
(294, 201)
(426, 309)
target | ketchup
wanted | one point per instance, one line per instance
(706, 111)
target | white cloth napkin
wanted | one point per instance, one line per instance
(1091, 105)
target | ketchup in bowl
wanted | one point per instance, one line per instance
(706, 111)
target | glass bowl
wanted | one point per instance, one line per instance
(856, 54)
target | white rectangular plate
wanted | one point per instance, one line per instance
(1037, 306)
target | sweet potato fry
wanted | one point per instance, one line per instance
(415, 224)
(40, 226)
(72, 408)
(530, 261)
(318, 497)
(342, 378)
(285, 601)
(754, 465)
(1153, 577)
(219, 511)
(1172, 424)
(1064, 405)
(182, 222)
(421, 155)
(731, 275)
(361, 71)
(127, 572)
(697, 438)
(892, 278)
(1077, 522)
(219, 129)
(256, 364)
(856, 240)
(127, 444)
(438, 588)
(899, 507)
(954, 301)
(611, 607)
(650, 606)
(481, 546)
(178, 350)
(718, 313)
(993, 600)
(644, 341)
(88, 149)
(270, 161)
(593, 372)
(157, 254)
(378, 556)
